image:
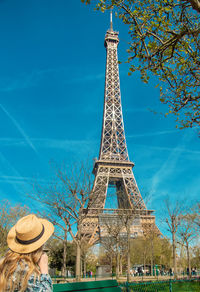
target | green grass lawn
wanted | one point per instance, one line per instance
(182, 286)
(186, 286)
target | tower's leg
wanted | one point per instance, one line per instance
(99, 191)
(133, 193)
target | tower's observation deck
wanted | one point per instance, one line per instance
(111, 38)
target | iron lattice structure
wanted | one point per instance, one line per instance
(113, 166)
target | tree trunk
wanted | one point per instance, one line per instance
(144, 263)
(64, 255)
(174, 254)
(117, 261)
(152, 257)
(81, 267)
(111, 263)
(188, 259)
(128, 253)
(120, 265)
(84, 267)
(78, 262)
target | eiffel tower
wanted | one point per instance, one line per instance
(113, 167)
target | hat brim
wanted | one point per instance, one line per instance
(17, 247)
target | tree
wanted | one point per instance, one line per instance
(195, 261)
(173, 222)
(9, 215)
(89, 258)
(152, 238)
(127, 220)
(164, 41)
(127, 217)
(196, 215)
(56, 247)
(182, 259)
(64, 201)
(165, 253)
(187, 233)
(142, 250)
(112, 227)
(52, 198)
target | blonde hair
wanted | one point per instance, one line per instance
(8, 265)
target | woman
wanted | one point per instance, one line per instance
(25, 267)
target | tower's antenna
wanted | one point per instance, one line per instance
(111, 23)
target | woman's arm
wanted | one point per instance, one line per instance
(44, 282)
(43, 264)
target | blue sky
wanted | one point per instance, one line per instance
(52, 74)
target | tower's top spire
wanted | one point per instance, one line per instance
(111, 35)
(111, 23)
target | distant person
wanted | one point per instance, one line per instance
(25, 265)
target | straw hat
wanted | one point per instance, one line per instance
(29, 234)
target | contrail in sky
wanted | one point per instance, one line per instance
(19, 129)
(6, 164)
(170, 163)
(21, 185)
